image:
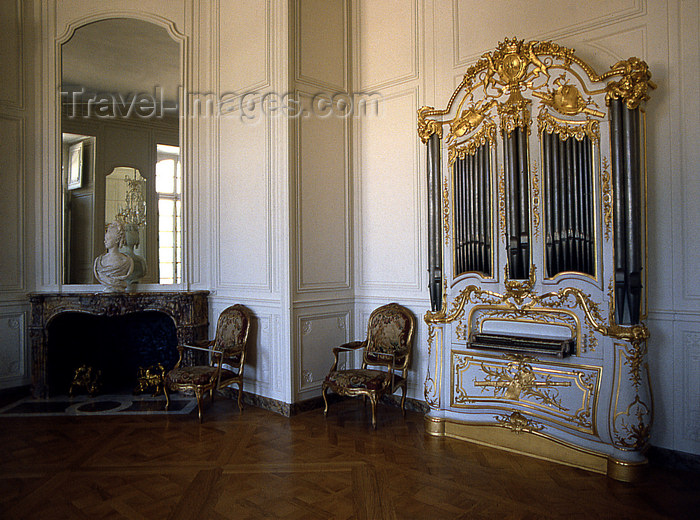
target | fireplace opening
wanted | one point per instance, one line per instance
(116, 346)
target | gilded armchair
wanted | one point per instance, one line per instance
(387, 349)
(227, 353)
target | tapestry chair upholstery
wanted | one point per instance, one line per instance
(387, 349)
(227, 352)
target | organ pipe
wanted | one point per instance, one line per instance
(434, 224)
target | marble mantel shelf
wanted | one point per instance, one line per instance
(188, 309)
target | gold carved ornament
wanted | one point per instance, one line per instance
(606, 186)
(426, 127)
(517, 422)
(517, 381)
(568, 129)
(446, 211)
(515, 66)
(518, 378)
(634, 84)
(487, 133)
(535, 200)
(522, 296)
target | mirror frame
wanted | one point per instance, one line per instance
(50, 274)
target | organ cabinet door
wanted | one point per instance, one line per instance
(536, 234)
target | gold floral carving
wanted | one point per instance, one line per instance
(518, 378)
(516, 66)
(518, 423)
(606, 186)
(535, 199)
(487, 133)
(634, 84)
(502, 203)
(426, 127)
(632, 427)
(515, 114)
(568, 129)
(521, 295)
(446, 210)
(461, 330)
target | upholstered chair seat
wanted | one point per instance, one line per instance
(387, 350)
(227, 359)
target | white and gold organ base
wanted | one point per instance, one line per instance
(537, 209)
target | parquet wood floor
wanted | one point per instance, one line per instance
(262, 465)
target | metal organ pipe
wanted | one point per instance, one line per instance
(434, 224)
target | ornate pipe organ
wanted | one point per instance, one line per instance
(536, 208)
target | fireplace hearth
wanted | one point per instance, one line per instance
(115, 333)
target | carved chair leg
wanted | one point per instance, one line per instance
(403, 400)
(167, 396)
(198, 395)
(240, 397)
(324, 388)
(373, 402)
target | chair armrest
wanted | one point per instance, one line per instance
(346, 347)
(181, 351)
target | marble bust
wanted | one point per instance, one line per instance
(112, 268)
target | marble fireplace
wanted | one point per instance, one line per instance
(116, 332)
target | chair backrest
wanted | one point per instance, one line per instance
(232, 330)
(389, 332)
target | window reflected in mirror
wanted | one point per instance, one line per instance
(169, 190)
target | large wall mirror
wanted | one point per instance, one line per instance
(120, 147)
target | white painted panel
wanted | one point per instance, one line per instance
(11, 61)
(11, 195)
(481, 25)
(688, 396)
(322, 36)
(389, 201)
(13, 362)
(244, 206)
(690, 129)
(244, 36)
(323, 247)
(388, 42)
(318, 334)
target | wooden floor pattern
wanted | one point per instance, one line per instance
(263, 465)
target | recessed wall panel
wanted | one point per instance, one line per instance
(244, 207)
(11, 196)
(481, 25)
(388, 42)
(322, 202)
(322, 37)
(244, 37)
(11, 61)
(389, 203)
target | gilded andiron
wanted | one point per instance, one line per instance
(536, 258)
(86, 378)
(151, 378)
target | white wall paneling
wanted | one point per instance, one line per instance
(12, 55)
(317, 333)
(321, 42)
(322, 201)
(12, 139)
(388, 202)
(387, 42)
(14, 359)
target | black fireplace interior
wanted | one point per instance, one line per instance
(116, 346)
